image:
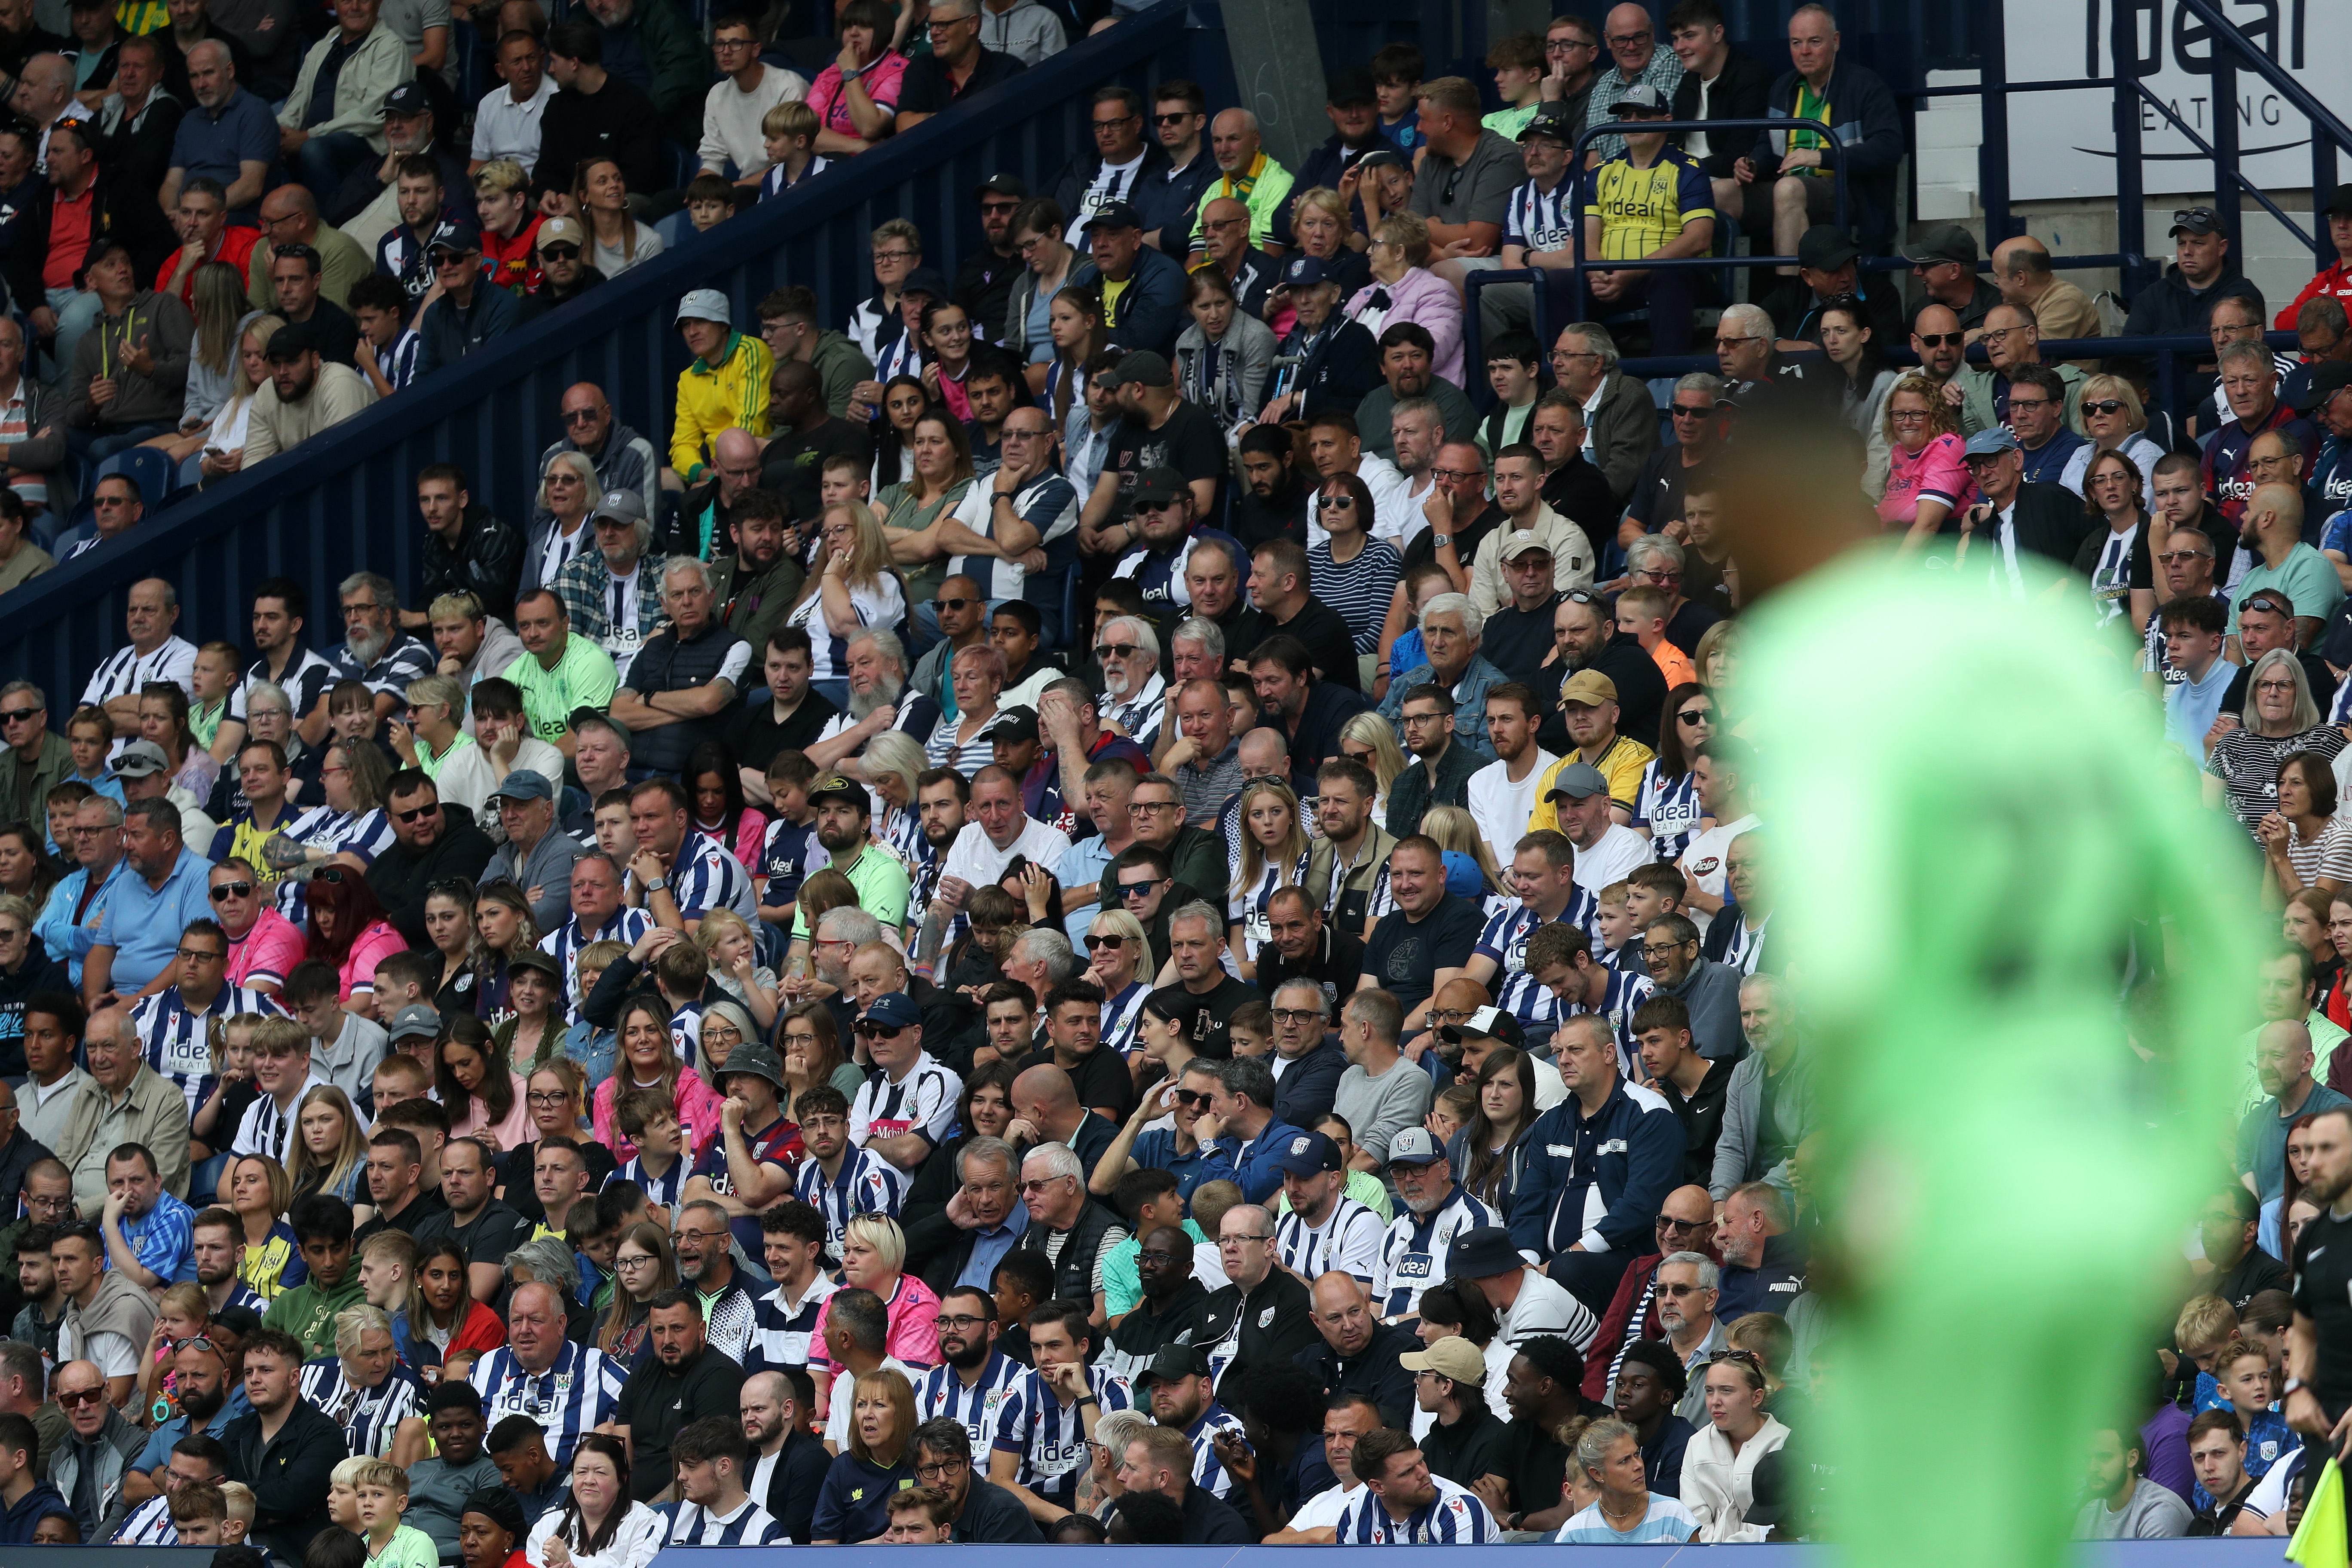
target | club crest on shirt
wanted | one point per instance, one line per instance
(1266, 1317)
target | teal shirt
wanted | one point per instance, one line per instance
(1122, 1285)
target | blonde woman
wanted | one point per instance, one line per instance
(1273, 856)
(1372, 739)
(874, 1257)
(1404, 288)
(1321, 226)
(891, 763)
(259, 1191)
(1118, 958)
(215, 361)
(331, 1147)
(2115, 421)
(566, 490)
(856, 588)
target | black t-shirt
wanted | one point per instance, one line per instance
(1403, 958)
(520, 1193)
(1282, 515)
(1100, 1078)
(1473, 1446)
(496, 1231)
(1466, 540)
(1536, 1462)
(333, 333)
(1205, 1021)
(1657, 497)
(1189, 442)
(2257, 1271)
(1518, 641)
(753, 736)
(2322, 1292)
(927, 87)
(656, 1402)
(1331, 648)
(424, 1206)
(793, 465)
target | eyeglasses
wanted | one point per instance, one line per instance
(865, 1031)
(1942, 339)
(945, 1466)
(1115, 122)
(197, 954)
(1911, 417)
(1237, 1240)
(1152, 805)
(1567, 46)
(2103, 405)
(1998, 335)
(893, 256)
(227, 890)
(746, 43)
(1299, 1015)
(1039, 1184)
(2017, 403)
(413, 815)
(550, 1097)
(1677, 1289)
(2179, 557)
(642, 1261)
(1095, 943)
(961, 1320)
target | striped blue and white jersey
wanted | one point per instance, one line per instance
(1454, 1517)
(1627, 991)
(175, 1036)
(923, 1101)
(563, 945)
(1538, 219)
(943, 1392)
(1348, 1239)
(1667, 809)
(1121, 1013)
(782, 1331)
(367, 834)
(150, 1524)
(1414, 1251)
(663, 1189)
(705, 877)
(1504, 942)
(1051, 1438)
(867, 1183)
(1208, 1472)
(749, 1525)
(370, 1418)
(570, 1399)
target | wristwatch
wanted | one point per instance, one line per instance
(1440, 540)
(658, 884)
(2290, 1386)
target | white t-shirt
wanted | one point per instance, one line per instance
(836, 1415)
(1500, 807)
(1322, 1510)
(1618, 852)
(979, 862)
(623, 640)
(1702, 863)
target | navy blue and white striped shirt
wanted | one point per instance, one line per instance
(1668, 809)
(923, 1101)
(150, 1524)
(663, 1189)
(1456, 1516)
(781, 1330)
(563, 945)
(174, 1038)
(749, 1525)
(570, 1399)
(1208, 1472)
(1627, 991)
(1534, 220)
(705, 877)
(1349, 1240)
(867, 1183)
(367, 834)
(1051, 1439)
(369, 1417)
(1504, 943)
(943, 1392)
(1414, 1251)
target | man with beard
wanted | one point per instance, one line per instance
(208, 1403)
(756, 583)
(1169, 1312)
(1408, 367)
(1272, 503)
(879, 700)
(302, 397)
(844, 810)
(706, 1272)
(788, 1464)
(942, 798)
(1687, 1289)
(1414, 1253)
(217, 1246)
(687, 1380)
(1179, 1385)
(1280, 588)
(1134, 691)
(375, 651)
(942, 1451)
(974, 1377)
(750, 1164)
(1585, 637)
(2319, 1341)
(430, 842)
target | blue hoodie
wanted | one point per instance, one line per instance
(18, 1524)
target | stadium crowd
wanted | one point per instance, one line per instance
(1086, 907)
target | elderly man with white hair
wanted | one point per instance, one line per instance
(1451, 630)
(1134, 691)
(1074, 1234)
(685, 678)
(879, 701)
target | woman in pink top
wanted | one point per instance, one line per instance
(484, 1097)
(1927, 485)
(262, 945)
(873, 1251)
(717, 786)
(650, 1059)
(855, 97)
(1404, 288)
(349, 932)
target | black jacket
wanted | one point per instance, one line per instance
(545, 297)
(2049, 522)
(125, 211)
(1273, 1323)
(1211, 1523)
(2170, 305)
(288, 1475)
(1579, 492)
(400, 875)
(1744, 91)
(1867, 126)
(1074, 1272)
(1701, 1116)
(1304, 1094)
(792, 1486)
(1333, 373)
(141, 151)
(487, 563)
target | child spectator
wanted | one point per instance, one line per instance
(1396, 82)
(710, 201)
(1642, 612)
(788, 131)
(1517, 63)
(387, 347)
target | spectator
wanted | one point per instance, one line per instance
(137, 120)
(510, 120)
(959, 63)
(303, 398)
(1023, 29)
(1650, 202)
(1452, 629)
(2124, 1505)
(685, 676)
(1944, 261)
(1790, 184)
(81, 198)
(297, 273)
(367, 203)
(1403, 292)
(151, 608)
(2115, 421)
(1351, 103)
(856, 96)
(1123, 163)
(332, 118)
(725, 388)
(21, 560)
(564, 271)
(617, 240)
(736, 105)
(2017, 516)
(229, 138)
(1150, 286)
(1469, 174)
(603, 590)
(654, 49)
(1621, 426)
(1245, 270)
(1632, 43)
(788, 325)
(1718, 82)
(1247, 173)
(598, 113)
(1333, 361)
(206, 235)
(2013, 343)
(470, 310)
(509, 226)
(2201, 277)
(1928, 486)
(31, 445)
(1537, 216)
(290, 216)
(2020, 266)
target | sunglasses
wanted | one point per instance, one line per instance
(1177, 119)
(419, 811)
(877, 1031)
(945, 603)
(1942, 340)
(17, 715)
(1130, 890)
(2103, 405)
(1693, 716)
(227, 890)
(1684, 411)
(1114, 649)
(71, 1397)
(1112, 942)
(329, 874)
(551, 252)
(1186, 1097)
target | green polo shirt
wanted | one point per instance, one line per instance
(882, 885)
(583, 677)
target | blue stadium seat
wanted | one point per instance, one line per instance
(155, 474)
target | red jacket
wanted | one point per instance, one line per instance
(2336, 282)
(235, 248)
(1617, 1328)
(513, 263)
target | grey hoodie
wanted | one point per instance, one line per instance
(117, 1444)
(1027, 31)
(1738, 1154)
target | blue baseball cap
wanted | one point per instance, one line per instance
(1993, 442)
(1301, 272)
(1464, 880)
(894, 1008)
(1308, 1154)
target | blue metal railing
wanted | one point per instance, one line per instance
(344, 501)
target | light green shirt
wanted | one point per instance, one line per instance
(431, 764)
(1507, 123)
(882, 885)
(583, 677)
(408, 1548)
(1122, 1284)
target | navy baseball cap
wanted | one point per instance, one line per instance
(893, 1009)
(1308, 1154)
